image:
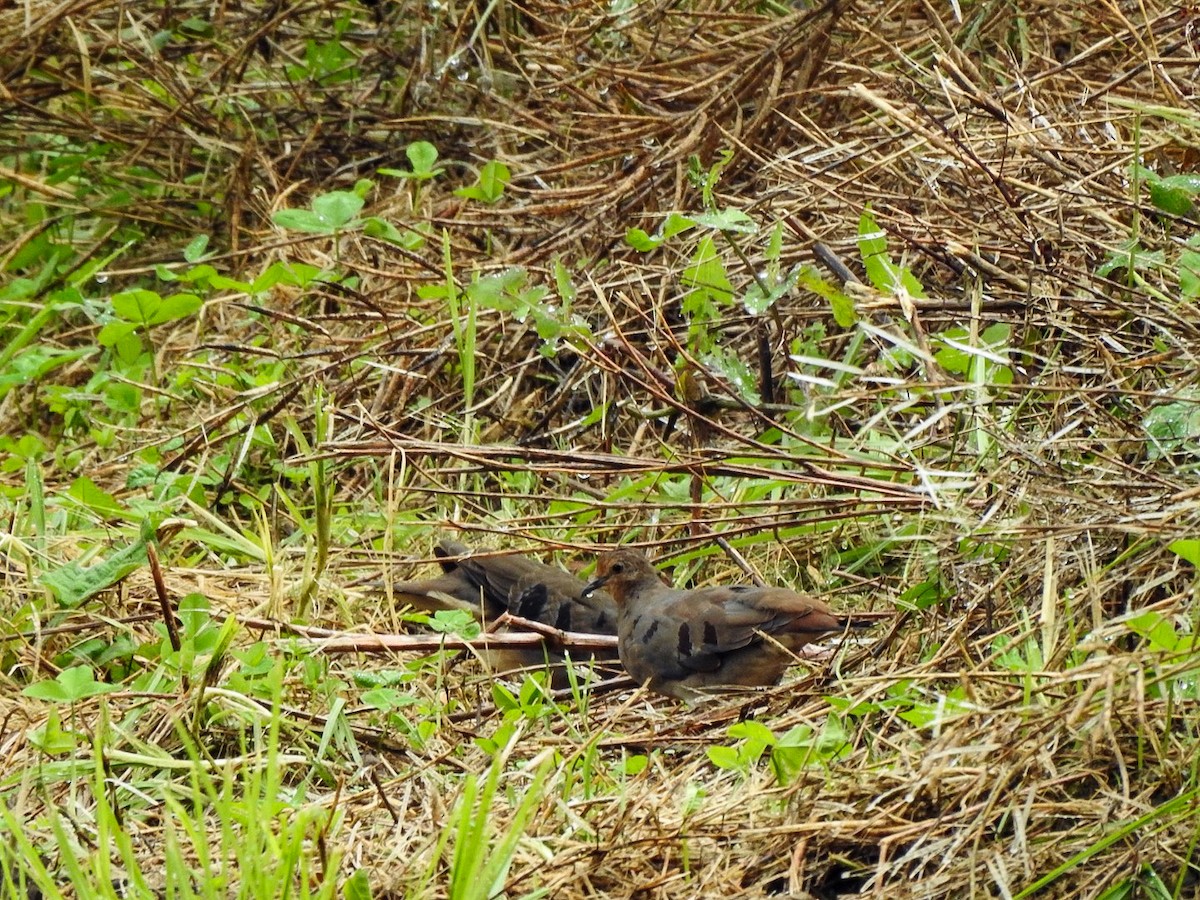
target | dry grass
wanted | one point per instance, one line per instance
(995, 152)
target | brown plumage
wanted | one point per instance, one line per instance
(488, 586)
(682, 642)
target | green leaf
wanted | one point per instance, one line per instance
(725, 757)
(387, 699)
(504, 699)
(956, 353)
(676, 223)
(337, 208)
(329, 213)
(500, 291)
(921, 595)
(797, 736)
(299, 220)
(792, 754)
(1187, 549)
(71, 685)
(834, 740)
(1132, 256)
(950, 357)
(1157, 629)
(1174, 428)
(104, 504)
(707, 181)
(435, 291)
(635, 764)
(136, 306)
(739, 375)
(290, 274)
(455, 621)
(563, 283)
(383, 678)
(1173, 194)
(194, 251)
(48, 690)
(195, 613)
(72, 584)
(357, 886)
(1186, 181)
(31, 364)
(840, 304)
(489, 187)
(422, 155)
(754, 731)
(115, 332)
(18, 289)
(705, 274)
(52, 738)
(641, 241)
(884, 274)
(728, 219)
(1174, 201)
(774, 244)
(177, 306)
(757, 303)
(1189, 269)
(375, 227)
(203, 275)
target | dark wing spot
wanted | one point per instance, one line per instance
(710, 633)
(563, 620)
(741, 588)
(685, 639)
(440, 553)
(603, 625)
(532, 602)
(649, 632)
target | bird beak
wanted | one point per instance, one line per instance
(594, 585)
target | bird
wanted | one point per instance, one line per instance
(489, 586)
(684, 643)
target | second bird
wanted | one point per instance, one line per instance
(681, 642)
(489, 585)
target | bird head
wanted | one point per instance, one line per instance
(619, 570)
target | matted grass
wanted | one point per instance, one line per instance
(922, 338)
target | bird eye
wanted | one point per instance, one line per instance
(618, 568)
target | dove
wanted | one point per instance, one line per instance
(489, 586)
(680, 643)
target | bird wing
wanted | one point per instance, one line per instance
(450, 590)
(533, 590)
(713, 622)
